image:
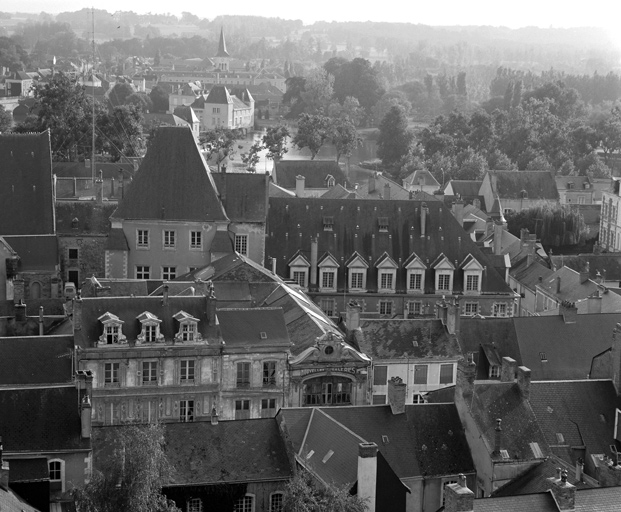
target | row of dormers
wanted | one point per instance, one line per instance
(356, 269)
(112, 334)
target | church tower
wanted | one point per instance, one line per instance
(222, 58)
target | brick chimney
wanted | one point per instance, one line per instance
(569, 311)
(4, 470)
(20, 311)
(457, 497)
(299, 185)
(423, 219)
(396, 395)
(464, 385)
(584, 275)
(563, 492)
(214, 416)
(386, 191)
(367, 474)
(352, 315)
(372, 183)
(85, 417)
(508, 369)
(523, 381)
(458, 211)
(165, 301)
(314, 255)
(497, 437)
(497, 245)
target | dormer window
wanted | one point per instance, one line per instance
(444, 271)
(415, 274)
(383, 224)
(298, 270)
(150, 332)
(328, 267)
(330, 181)
(386, 274)
(473, 275)
(188, 328)
(112, 330)
(328, 223)
(357, 273)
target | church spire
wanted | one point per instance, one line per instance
(222, 45)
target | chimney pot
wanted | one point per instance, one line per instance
(367, 474)
(396, 395)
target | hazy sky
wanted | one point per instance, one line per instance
(520, 13)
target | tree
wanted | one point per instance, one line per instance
(344, 137)
(120, 92)
(131, 478)
(159, 97)
(275, 141)
(394, 138)
(219, 144)
(119, 132)
(142, 100)
(302, 494)
(318, 92)
(251, 159)
(313, 131)
(554, 224)
(6, 119)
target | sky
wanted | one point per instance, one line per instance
(513, 14)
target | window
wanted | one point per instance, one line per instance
(379, 399)
(418, 398)
(56, 469)
(149, 373)
(150, 332)
(276, 500)
(241, 244)
(327, 306)
(444, 282)
(327, 279)
(472, 283)
(380, 375)
(383, 224)
(328, 223)
(112, 334)
(420, 374)
(494, 371)
(73, 276)
(268, 407)
(186, 410)
(195, 505)
(471, 308)
(216, 110)
(196, 240)
(111, 374)
(73, 254)
(243, 375)
(299, 277)
(169, 273)
(187, 370)
(356, 279)
(385, 307)
(415, 308)
(242, 409)
(446, 374)
(170, 239)
(415, 281)
(143, 272)
(327, 391)
(188, 330)
(142, 239)
(499, 309)
(245, 504)
(269, 373)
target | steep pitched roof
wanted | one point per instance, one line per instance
(222, 45)
(253, 327)
(607, 265)
(571, 287)
(157, 119)
(244, 195)
(173, 182)
(187, 114)
(381, 188)
(11, 502)
(91, 217)
(219, 95)
(467, 189)
(421, 176)
(536, 184)
(315, 173)
(36, 252)
(41, 419)
(26, 197)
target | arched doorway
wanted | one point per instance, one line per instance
(35, 290)
(327, 390)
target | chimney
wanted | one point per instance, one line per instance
(75, 187)
(112, 187)
(386, 191)
(498, 238)
(372, 183)
(458, 211)
(212, 304)
(507, 371)
(121, 183)
(274, 262)
(20, 311)
(563, 492)
(476, 203)
(313, 264)
(598, 278)
(40, 320)
(214, 416)
(594, 302)
(497, 437)
(584, 276)
(396, 395)
(423, 219)
(99, 189)
(616, 358)
(579, 469)
(352, 315)
(569, 311)
(457, 497)
(523, 381)
(466, 372)
(299, 185)
(85, 417)
(165, 296)
(453, 317)
(4, 470)
(367, 474)
(558, 284)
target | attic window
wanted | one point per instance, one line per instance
(330, 181)
(385, 439)
(383, 224)
(504, 454)
(570, 185)
(327, 456)
(543, 357)
(328, 223)
(602, 418)
(188, 327)
(560, 438)
(536, 450)
(263, 335)
(310, 454)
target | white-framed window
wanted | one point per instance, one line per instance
(142, 239)
(149, 373)
(196, 240)
(169, 273)
(494, 371)
(446, 373)
(444, 281)
(268, 407)
(56, 468)
(186, 371)
(188, 331)
(241, 244)
(194, 505)
(276, 502)
(269, 373)
(414, 308)
(188, 327)
(357, 278)
(471, 308)
(112, 333)
(328, 307)
(415, 281)
(386, 280)
(150, 332)
(245, 504)
(420, 374)
(143, 272)
(186, 410)
(111, 374)
(242, 409)
(112, 330)
(243, 374)
(328, 223)
(472, 282)
(385, 307)
(581, 199)
(300, 277)
(216, 110)
(327, 279)
(169, 239)
(499, 309)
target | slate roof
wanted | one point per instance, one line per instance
(219, 95)
(26, 196)
(583, 411)
(315, 173)
(292, 223)
(276, 191)
(36, 252)
(607, 265)
(578, 182)
(92, 217)
(428, 440)
(537, 184)
(41, 420)
(528, 275)
(398, 338)
(159, 119)
(396, 191)
(222, 46)
(173, 182)
(569, 348)
(243, 195)
(571, 288)
(421, 174)
(258, 326)
(28, 470)
(36, 360)
(467, 189)
(187, 114)
(81, 170)
(519, 426)
(11, 502)
(338, 192)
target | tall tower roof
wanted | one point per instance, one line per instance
(222, 46)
